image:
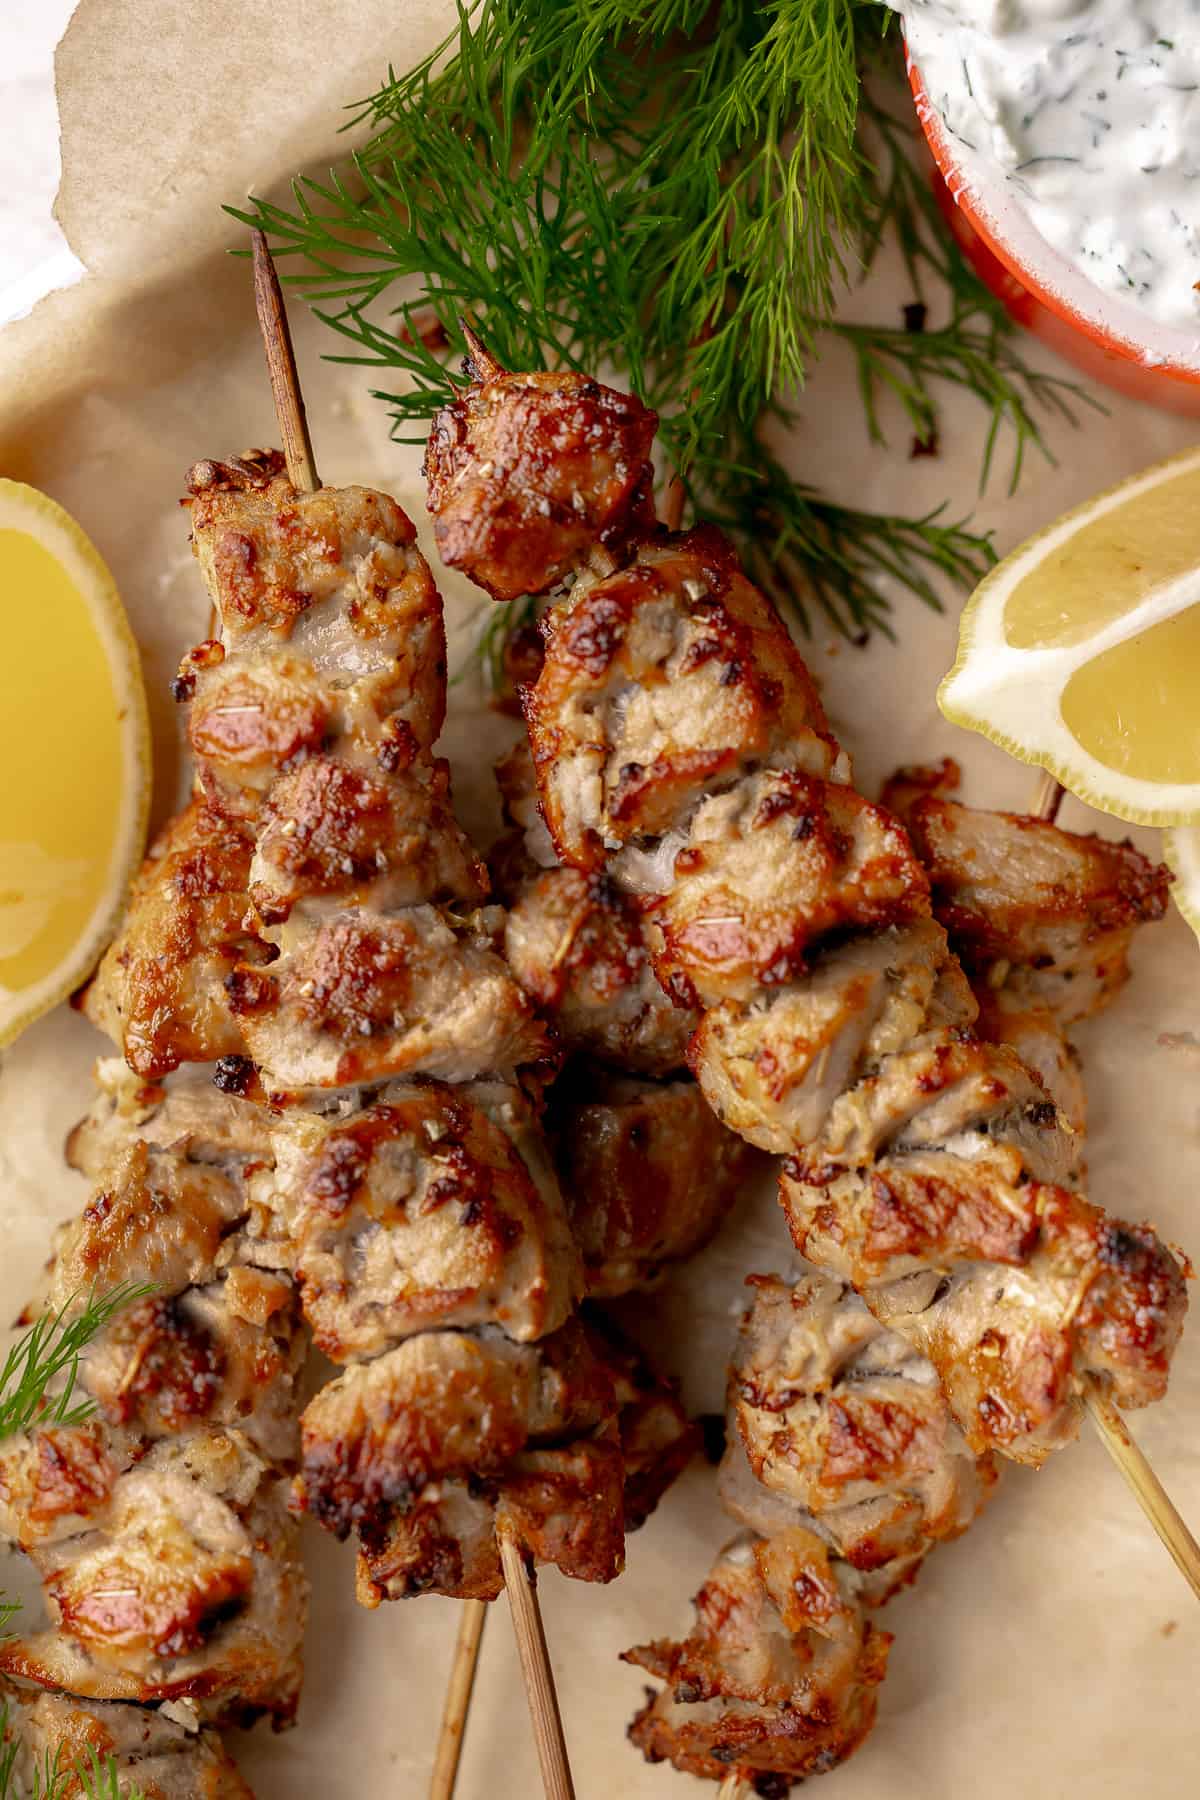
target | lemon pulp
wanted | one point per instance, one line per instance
(1134, 707)
(61, 754)
(1106, 568)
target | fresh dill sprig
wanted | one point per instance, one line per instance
(37, 1388)
(970, 351)
(49, 1353)
(92, 1776)
(502, 629)
(803, 548)
(680, 192)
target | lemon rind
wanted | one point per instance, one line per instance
(1043, 756)
(1096, 507)
(23, 508)
(1131, 798)
(1184, 864)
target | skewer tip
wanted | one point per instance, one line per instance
(672, 506)
(1147, 1489)
(481, 364)
(281, 367)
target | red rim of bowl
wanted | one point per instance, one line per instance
(1116, 356)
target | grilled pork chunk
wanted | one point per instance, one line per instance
(1043, 916)
(844, 1430)
(779, 1673)
(647, 1170)
(561, 1500)
(161, 989)
(577, 947)
(576, 477)
(148, 1752)
(433, 1206)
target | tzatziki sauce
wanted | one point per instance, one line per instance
(1090, 112)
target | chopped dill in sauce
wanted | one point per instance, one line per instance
(1090, 110)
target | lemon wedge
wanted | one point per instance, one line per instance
(74, 756)
(1081, 650)
(1181, 852)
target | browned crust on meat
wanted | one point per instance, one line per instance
(575, 478)
(420, 1211)
(732, 674)
(564, 1504)
(332, 830)
(160, 990)
(778, 1676)
(441, 1406)
(1040, 896)
(577, 947)
(843, 864)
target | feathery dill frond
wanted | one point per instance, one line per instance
(93, 1776)
(679, 192)
(48, 1355)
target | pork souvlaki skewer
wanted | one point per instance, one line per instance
(680, 745)
(312, 925)
(835, 1520)
(831, 1540)
(315, 923)
(442, 1188)
(1042, 954)
(836, 1425)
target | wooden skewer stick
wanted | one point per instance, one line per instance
(471, 1621)
(281, 367)
(484, 366)
(734, 1787)
(1048, 797)
(1147, 1489)
(535, 1666)
(672, 518)
(527, 1619)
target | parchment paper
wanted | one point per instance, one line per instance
(1051, 1652)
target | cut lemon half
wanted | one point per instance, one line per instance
(74, 755)
(1181, 850)
(1081, 650)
